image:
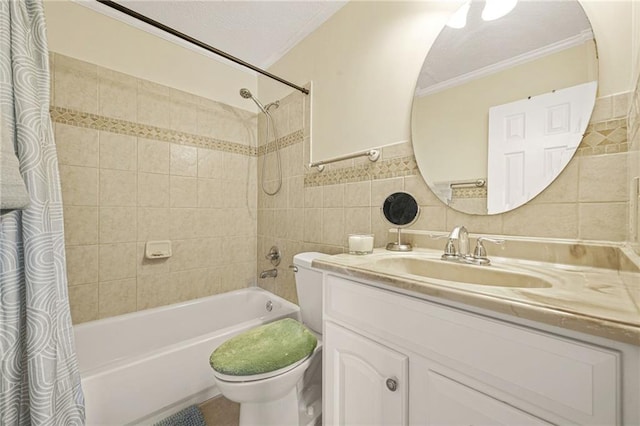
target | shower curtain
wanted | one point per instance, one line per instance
(39, 378)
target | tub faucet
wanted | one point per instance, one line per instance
(270, 273)
(460, 235)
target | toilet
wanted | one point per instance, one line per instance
(280, 390)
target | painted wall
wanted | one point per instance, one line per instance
(372, 52)
(82, 33)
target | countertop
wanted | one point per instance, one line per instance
(600, 301)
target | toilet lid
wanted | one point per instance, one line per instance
(280, 345)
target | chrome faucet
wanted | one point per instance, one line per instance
(460, 235)
(270, 273)
(461, 253)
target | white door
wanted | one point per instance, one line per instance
(366, 382)
(531, 141)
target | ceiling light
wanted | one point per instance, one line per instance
(495, 9)
(459, 19)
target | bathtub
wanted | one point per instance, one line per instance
(140, 367)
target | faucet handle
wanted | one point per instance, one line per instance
(450, 250)
(480, 252)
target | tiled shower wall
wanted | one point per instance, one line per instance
(316, 211)
(139, 162)
(634, 168)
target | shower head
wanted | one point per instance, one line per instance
(245, 93)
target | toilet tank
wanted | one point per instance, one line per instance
(309, 289)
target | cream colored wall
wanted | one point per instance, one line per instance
(453, 123)
(82, 33)
(363, 62)
(365, 59)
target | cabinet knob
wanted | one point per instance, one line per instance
(392, 384)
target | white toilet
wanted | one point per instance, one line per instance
(290, 395)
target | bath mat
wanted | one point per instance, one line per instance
(190, 416)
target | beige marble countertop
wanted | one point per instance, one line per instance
(602, 301)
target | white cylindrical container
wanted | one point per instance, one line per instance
(360, 243)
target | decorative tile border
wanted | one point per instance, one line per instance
(457, 193)
(384, 169)
(113, 125)
(604, 137)
(282, 142)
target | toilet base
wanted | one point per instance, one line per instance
(283, 411)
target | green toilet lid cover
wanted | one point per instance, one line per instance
(264, 349)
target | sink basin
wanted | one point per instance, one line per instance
(458, 272)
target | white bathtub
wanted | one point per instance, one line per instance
(139, 367)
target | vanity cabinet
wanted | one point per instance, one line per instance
(455, 367)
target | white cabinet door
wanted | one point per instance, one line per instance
(366, 382)
(443, 397)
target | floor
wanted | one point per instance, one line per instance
(220, 411)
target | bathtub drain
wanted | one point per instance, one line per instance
(269, 306)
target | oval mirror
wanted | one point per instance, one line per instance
(401, 210)
(501, 104)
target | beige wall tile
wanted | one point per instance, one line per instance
(76, 146)
(80, 225)
(117, 95)
(79, 185)
(296, 191)
(117, 297)
(543, 220)
(153, 190)
(154, 290)
(210, 193)
(416, 186)
(402, 149)
(603, 109)
(210, 163)
(431, 218)
(77, 85)
(184, 223)
(82, 264)
(603, 221)
(117, 224)
(564, 188)
(333, 196)
(475, 224)
(154, 108)
(293, 162)
(183, 116)
(313, 225)
(295, 224)
(333, 226)
(118, 188)
(117, 261)
(357, 220)
(379, 228)
(183, 191)
(357, 194)
(313, 196)
(153, 156)
(153, 224)
(603, 178)
(187, 254)
(210, 222)
(83, 300)
(118, 152)
(381, 189)
(184, 160)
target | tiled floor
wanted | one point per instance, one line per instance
(220, 412)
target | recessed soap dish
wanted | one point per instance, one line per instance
(157, 249)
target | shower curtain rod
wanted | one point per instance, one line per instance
(174, 32)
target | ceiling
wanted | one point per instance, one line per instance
(258, 32)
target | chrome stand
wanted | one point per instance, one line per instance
(398, 246)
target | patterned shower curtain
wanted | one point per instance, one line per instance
(39, 378)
